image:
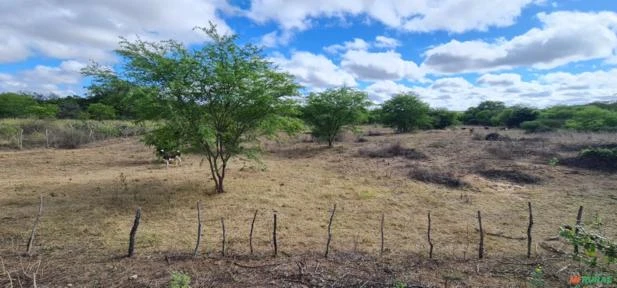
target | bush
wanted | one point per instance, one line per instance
(393, 150)
(443, 118)
(179, 280)
(446, 178)
(541, 125)
(596, 158)
(99, 111)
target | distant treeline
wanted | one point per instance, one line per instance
(115, 105)
(99, 107)
(597, 116)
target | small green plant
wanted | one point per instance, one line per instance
(179, 280)
(399, 284)
(553, 161)
(537, 277)
(594, 245)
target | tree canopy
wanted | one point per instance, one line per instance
(328, 112)
(211, 99)
(405, 113)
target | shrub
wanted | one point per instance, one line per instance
(596, 158)
(374, 133)
(393, 150)
(493, 137)
(179, 280)
(99, 111)
(446, 178)
(541, 125)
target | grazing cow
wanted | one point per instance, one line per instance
(170, 156)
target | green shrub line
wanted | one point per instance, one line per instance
(66, 134)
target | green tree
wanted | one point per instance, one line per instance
(442, 118)
(486, 113)
(592, 118)
(212, 99)
(330, 111)
(43, 111)
(405, 113)
(100, 111)
(513, 116)
(13, 105)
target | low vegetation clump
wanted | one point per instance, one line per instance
(179, 280)
(513, 176)
(393, 150)
(445, 178)
(64, 134)
(596, 158)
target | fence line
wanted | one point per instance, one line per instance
(275, 243)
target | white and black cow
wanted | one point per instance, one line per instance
(170, 156)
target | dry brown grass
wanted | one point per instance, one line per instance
(88, 211)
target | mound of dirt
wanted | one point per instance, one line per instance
(590, 162)
(437, 177)
(393, 150)
(495, 137)
(513, 176)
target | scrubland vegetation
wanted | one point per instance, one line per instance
(238, 121)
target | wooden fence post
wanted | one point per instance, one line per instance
(330, 231)
(46, 138)
(274, 237)
(381, 229)
(20, 139)
(198, 229)
(251, 233)
(36, 223)
(223, 227)
(134, 232)
(579, 216)
(428, 235)
(481, 247)
(529, 231)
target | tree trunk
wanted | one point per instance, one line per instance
(219, 185)
(330, 140)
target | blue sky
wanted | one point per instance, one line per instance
(452, 53)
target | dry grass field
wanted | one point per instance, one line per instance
(90, 196)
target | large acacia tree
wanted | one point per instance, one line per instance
(211, 99)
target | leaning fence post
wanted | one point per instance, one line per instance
(428, 235)
(251, 233)
(579, 216)
(134, 232)
(198, 229)
(330, 231)
(36, 223)
(481, 247)
(529, 231)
